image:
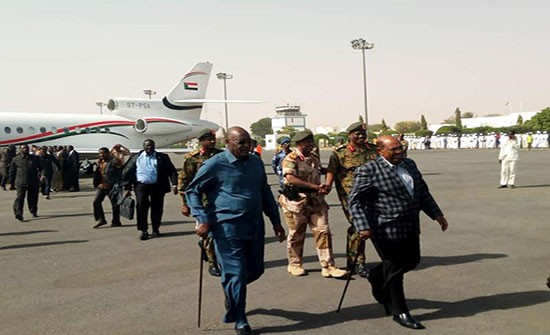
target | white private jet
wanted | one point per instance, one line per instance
(129, 122)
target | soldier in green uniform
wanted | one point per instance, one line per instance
(343, 161)
(191, 164)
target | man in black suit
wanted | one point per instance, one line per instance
(387, 196)
(47, 161)
(73, 169)
(106, 180)
(25, 177)
(152, 175)
(6, 157)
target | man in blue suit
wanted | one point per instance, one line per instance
(237, 193)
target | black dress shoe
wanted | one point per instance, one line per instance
(502, 186)
(406, 320)
(34, 215)
(246, 330)
(156, 233)
(19, 218)
(363, 271)
(144, 236)
(214, 271)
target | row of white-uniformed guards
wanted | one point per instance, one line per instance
(474, 141)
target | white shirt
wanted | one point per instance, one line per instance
(509, 151)
(404, 176)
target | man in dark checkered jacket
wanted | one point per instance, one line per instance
(387, 196)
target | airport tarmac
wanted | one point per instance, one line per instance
(485, 275)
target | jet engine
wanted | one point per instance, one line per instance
(161, 126)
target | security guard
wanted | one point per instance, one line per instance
(343, 161)
(303, 203)
(191, 164)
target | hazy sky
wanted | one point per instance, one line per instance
(429, 56)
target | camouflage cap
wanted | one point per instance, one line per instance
(204, 133)
(302, 135)
(356, 126)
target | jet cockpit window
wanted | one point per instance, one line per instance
(95, 130)
(32, 130)
(107, 130)
(42, 130)
(66, 130)
(19, 130)
(77, 130)
(54, 130)
(7, 130)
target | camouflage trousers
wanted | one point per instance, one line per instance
(318, 223)
(208, 245)
(352, 246)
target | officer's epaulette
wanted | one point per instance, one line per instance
(292, 156)
(371, 145)
(339, 147)
(193, 153)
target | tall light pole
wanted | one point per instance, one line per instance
(224, 76)
(100, 104)
(361, 44)
(149, 93)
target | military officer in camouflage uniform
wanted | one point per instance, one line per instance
(303, 203)
(191, 164)
(343, 161)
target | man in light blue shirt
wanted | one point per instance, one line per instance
(152, 175)
(146, 168)
(237, 193)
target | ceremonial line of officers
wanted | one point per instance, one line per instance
(476, 141)
(226, 191)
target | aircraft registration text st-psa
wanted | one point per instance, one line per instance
(129, 122)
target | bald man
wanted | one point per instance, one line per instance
(236, 189)
(387, 196)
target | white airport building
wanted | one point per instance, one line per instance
(288, 115)
(490, 121)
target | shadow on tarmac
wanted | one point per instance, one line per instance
(533, 186)
(171, 223)
(446, 310)
(28, 232)
(52, 216)
(42, 244)
(429, 261)
(176, 233)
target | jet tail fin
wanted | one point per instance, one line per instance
(192, 86)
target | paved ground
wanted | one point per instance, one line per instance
(486, 275)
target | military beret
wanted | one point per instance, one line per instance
(285, 140)
(356, 126)
(302, 135)
(204, 132)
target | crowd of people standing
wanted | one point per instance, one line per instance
(38, 170)
(476, 141)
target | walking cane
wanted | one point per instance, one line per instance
(200, 282)
(350, 274)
